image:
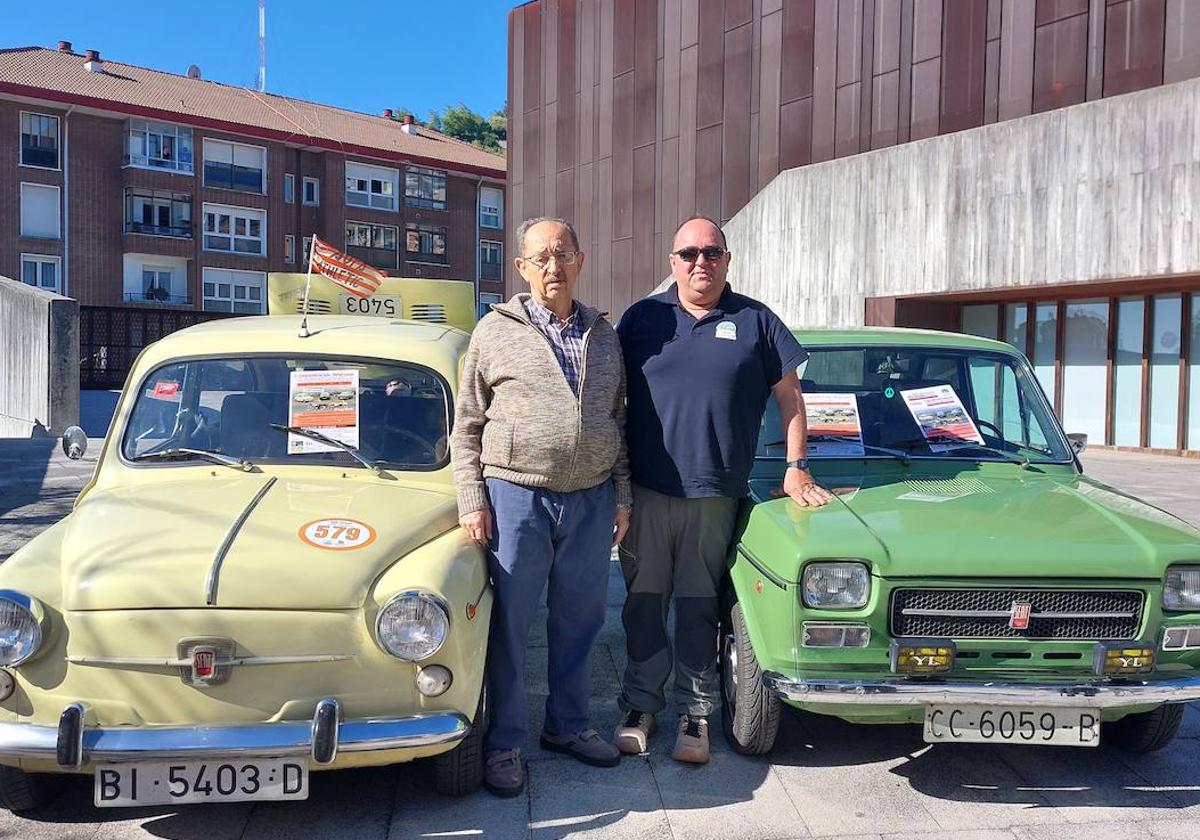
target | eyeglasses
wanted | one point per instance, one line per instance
(712, 253)
(563, 257)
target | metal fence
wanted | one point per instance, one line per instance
(110, 337)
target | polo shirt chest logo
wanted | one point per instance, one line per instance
(727, 330)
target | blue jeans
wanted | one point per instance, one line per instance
(541, 536)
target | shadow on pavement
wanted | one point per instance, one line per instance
(23, 466)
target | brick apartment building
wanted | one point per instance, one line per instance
(122, 185)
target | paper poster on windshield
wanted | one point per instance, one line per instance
(834, 425)
(940, 415)
(324, 401)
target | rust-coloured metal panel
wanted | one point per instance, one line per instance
(1016, 60)
(849, 41)
(824, 107)
(993, 21)
(605, 78)
(846, 120)
(1182, 59)
(927, 30)
(622, 157)
(926, 90)
(689, 23)
(866, 74)
(643, 215)
(604, 237)
(904, 92)
(885, 110)
(624, 35)
(708, 171)
(795, 134)
(1049, 11)
(712, 64)
(687, 130)
(1095, 62)
(565, 190)
(565, 134)
(1133, 45)
(672, 48)
(991, 82)
(735, 164)
(531, 162)
(532, 89)
(796, 76)
(645, 72)
(964, 57)
(668, 186)
(770, 64)
(623, 282)
(1060, 63)
(738, 12)
(886, 31)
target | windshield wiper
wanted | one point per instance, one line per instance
(895, 453)
(1014, 457)
(373, 466)
(183, 451)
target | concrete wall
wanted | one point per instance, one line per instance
(39, 361)
(1098, 191)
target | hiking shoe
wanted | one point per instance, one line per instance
(587, 746)
(691, 744)
(504, 773)
(633, 733)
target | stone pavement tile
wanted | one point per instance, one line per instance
(567, 798)
(968, 834)
(341, 804)
(1172, 772)
(732, 796)
(605, 681)
(967, 786)
(1090, 831)
(1190, 728)
(1087, 785)
(418, 811)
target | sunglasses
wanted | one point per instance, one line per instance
(712, 253)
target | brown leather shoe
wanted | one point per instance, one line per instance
(691, 744)
(633, 733)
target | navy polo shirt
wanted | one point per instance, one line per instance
(697, 390)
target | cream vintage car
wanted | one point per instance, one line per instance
(250, 589)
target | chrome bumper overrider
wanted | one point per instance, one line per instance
(902, 692)
(73, 744)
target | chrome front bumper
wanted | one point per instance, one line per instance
(901, 692)
(72, 744)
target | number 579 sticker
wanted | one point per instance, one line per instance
(337, 534)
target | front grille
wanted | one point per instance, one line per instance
(1089, 614)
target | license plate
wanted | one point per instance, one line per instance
(1012, 725)
(383, 306)
(164, 783)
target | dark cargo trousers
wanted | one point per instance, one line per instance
(675, 546)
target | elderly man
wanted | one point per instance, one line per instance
(701, 361)
(543, 480)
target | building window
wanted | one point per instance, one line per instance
(307, 244)
(289, 188)
(491, 260)
(491, 207)
(39, 140)
(234, 291)
(289, 249)
(158, 146)
(425, 244)
(486, 299)
(233, 166)
(40, 215)
(371, 186)
(425, 188)
(156, 285)
(158, 213)
(373, 244)
(41, 272)
(312, 191)
(237, 229)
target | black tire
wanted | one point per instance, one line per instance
(21, 791)
(460, 771)
(1147, 731)
(749, 709)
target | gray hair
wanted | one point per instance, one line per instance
(528, 223)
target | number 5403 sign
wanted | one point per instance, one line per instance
(337, 534)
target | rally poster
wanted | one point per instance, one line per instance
(324, 401)
(834, 425)
(940, 415)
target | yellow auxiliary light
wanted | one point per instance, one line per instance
(1117, 659)
(922, 656)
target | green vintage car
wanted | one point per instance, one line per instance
(967, 577)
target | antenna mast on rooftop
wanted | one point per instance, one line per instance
(262, 45)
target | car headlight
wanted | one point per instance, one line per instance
(838, 585)
(20, 627)
(413, 626)
(1181, 588)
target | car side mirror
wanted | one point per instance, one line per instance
(1078, 441)
(74, 443)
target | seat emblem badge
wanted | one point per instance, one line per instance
(1018, 616)
(205, 661)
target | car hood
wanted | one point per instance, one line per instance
(156, 545)
(975, 523)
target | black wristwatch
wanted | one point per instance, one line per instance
(802, 464)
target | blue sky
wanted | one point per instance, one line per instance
(365, 55)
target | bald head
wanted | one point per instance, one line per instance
(705, 223)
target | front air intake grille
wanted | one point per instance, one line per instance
(315, 307)
(1067, 614)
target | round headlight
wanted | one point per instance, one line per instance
(838, 585)
(20, 629)
(413, 626)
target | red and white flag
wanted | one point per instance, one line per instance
(355, 276)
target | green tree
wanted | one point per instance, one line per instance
(460, 122)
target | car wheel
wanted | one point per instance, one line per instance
(1147, 731)
(21, 791)
(750, 710)
(460, 771)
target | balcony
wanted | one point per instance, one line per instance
(491, 271)
(157, 297)
(176, 231)
(381, 258)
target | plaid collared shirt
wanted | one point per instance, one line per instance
(565, 337)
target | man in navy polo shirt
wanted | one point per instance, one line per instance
(700, 362)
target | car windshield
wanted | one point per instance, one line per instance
(920, 402)
(259, 409)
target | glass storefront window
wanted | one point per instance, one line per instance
(980, 320)
(1016, 324)
(1085, 367)
(1193, 424)
(1127, 373)
(1045, 339)
(1165, 346)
